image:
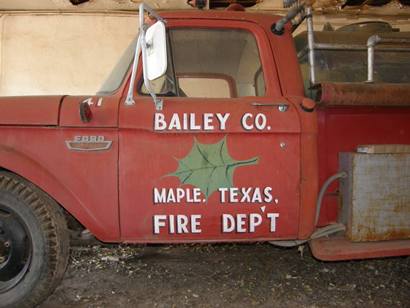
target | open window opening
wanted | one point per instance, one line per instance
(211, 63)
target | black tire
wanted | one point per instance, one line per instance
(32, 222)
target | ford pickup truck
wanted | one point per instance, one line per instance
(215, 126)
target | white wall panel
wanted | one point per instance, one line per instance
(61, 54)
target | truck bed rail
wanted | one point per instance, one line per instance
(363, 94)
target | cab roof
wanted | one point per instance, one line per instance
(221, 14)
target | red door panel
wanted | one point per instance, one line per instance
(220, 184)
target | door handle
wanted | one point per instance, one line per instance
(282, 107)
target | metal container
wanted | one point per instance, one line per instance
(376, 196)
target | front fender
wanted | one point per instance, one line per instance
(72, 179)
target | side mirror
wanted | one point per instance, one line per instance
(152, 44)
(156, 51)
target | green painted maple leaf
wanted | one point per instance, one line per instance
(209, 167)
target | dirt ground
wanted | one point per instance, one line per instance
(227, 275)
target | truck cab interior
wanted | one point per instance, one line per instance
(211, 63)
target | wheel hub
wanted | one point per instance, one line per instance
(4, 248)
(15, 249)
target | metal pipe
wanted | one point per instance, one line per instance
(130, 95)
(343, 47)
(321, 232)
(371, 44)
(328, 46)
(280, 25)
(311, 45)
(322, 192)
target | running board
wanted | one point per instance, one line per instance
(338, 248)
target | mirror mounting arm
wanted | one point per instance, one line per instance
(157, 101)
(129, 101)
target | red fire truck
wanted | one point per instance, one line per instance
(215, 126)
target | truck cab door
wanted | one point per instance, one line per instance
(221, 161)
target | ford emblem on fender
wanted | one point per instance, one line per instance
(88, 143)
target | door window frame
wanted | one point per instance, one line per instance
(268, 64)
(228, 79)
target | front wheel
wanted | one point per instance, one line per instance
(34, 243)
